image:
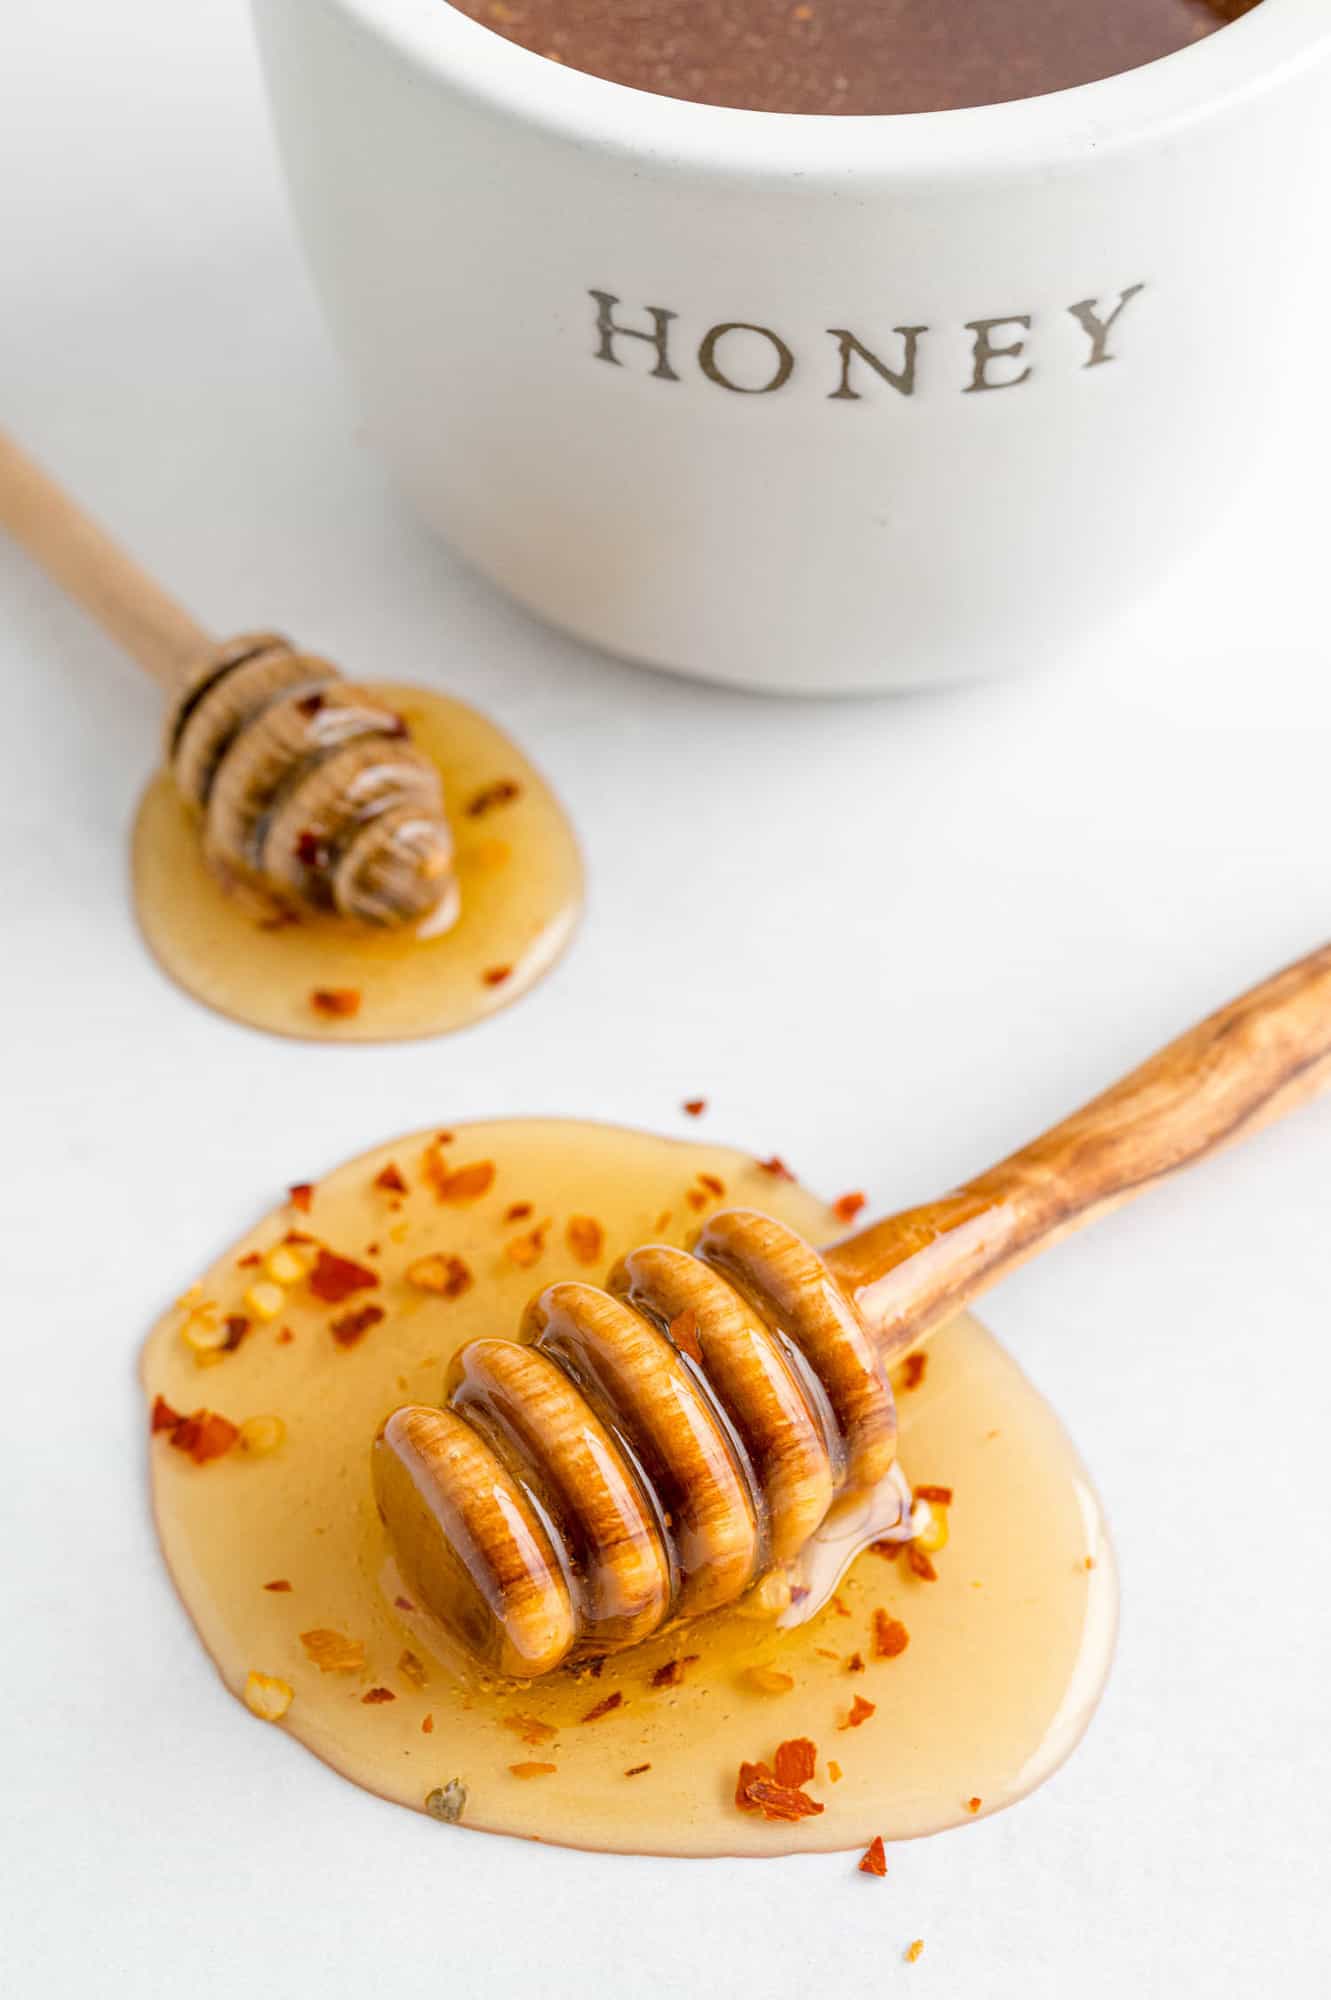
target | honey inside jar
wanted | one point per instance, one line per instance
(928, 1700)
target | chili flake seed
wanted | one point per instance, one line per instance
(860, 1711)
(530, 1728)
(684, 1333)
(585, 1238)
(278, 1583)
(873, 1861)
(266, 1696)
(695, 1106)
(374, 1697)
(604, 1707)
(533, 1770)
(833, 1771)
(447, 1802)
(260, 1435)
(389, 1179)
(500, 792)
(300, 1195)
(204, 1333)
(890, 1637)
(458, 1184)
(1088, 1562)
(767, 1680)
(442, 1273)
(636, 1770)
(336, 1003)
(266, 1301)
(920, 1564)
(335, 1278)
(333, 1652)
(847, 1206)
(287, 1263)
(412, 1668)
(914, 1951)
(352, 1326)
(527, 1249)
(795, 1761)
(973, 1805)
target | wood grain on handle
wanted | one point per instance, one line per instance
(1246, 1065)
(81, 557)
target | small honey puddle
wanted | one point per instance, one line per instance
(518, 874)
(1008, 1648)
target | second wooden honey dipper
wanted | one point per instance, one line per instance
(308, 788)
(649, 1452)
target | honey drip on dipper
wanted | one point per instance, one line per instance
(294, 864)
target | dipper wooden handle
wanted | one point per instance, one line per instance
(647, 1452)
(309, 790)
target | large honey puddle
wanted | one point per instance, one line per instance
(1008, 1648)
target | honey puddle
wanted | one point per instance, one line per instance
(518, 873)
(1008, 1648)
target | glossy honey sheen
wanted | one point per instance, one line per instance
(1007, 1651)
(519, 895)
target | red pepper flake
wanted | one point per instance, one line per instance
(301, 1195)
(533, 1770)
(354, 1325)
(973, 1805)
(336, 1003)
(636, 1770)
(495, 975)
(237, 1326)
(773, 1800)
(335, 1278)
(245, 1263)
(309, 705)
(501, 792)
(672, 1673)
(684, 1333)
(696, 1199)
(860, 1711)
(205, 1436)
(921, 1564)
(749, 1774)
(458, 1184)
(873, 1861)
(795, 1762)
(839, 1605)
(441, 1272)
(312, 850)
(712, 1184)
(278, 1583)
(1088, 1562)
(390, 1179)
(604, 1707)
(777, 1168)
(164, 1418)
(427, 1725)
(374, 1697)
(940, 1495)
(662, 1221)
(695, 1106)
(890, 1550)
(826, 1653)
(517, 1211)
(890, 1637)
(404, 1604)
(585, 1238)
(527, 1249)
(530, 1728)
(285, 1337)
(913, 1370)
(855, 1664)
(847, 1206)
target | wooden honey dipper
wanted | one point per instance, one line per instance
(308, 787)
(647, 1452)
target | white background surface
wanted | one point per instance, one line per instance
(890, 940)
